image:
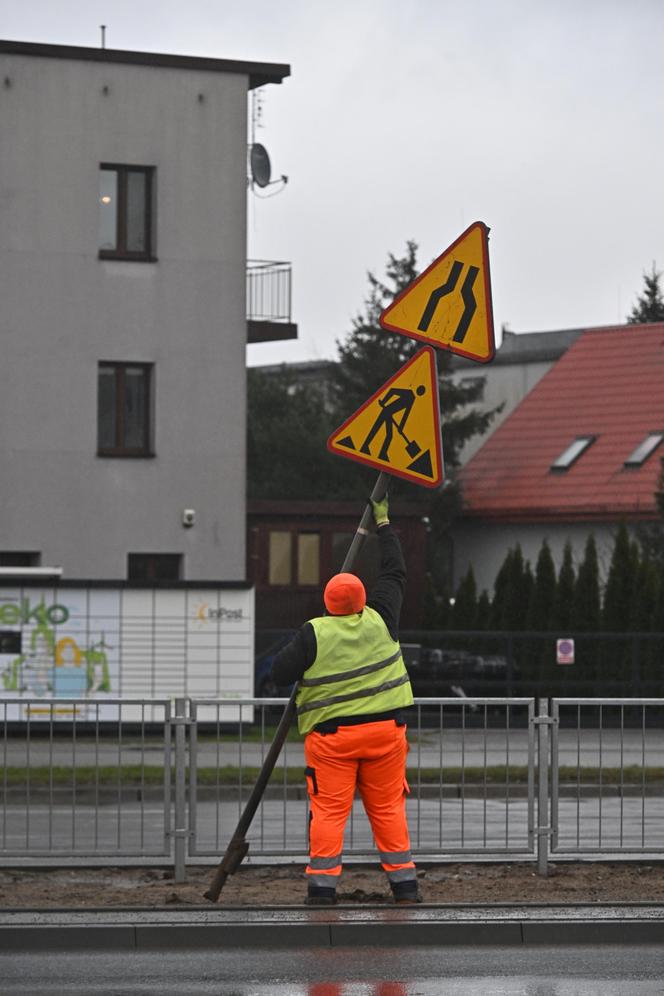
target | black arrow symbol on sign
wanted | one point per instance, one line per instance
(466, 294)
(439, 292)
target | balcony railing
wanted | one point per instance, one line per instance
(269, 301)
(268, 291)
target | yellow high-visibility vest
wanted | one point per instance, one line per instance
(358, 669)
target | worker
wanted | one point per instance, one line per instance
(353, 687)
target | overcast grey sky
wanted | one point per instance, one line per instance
(410, 119)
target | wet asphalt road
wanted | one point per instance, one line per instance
(360, 971)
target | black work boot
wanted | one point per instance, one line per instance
(319, 895)
(406, 893)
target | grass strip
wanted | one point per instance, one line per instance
(229, 775)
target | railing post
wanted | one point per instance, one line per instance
(181, 831)
(542, 722)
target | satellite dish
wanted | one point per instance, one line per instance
(259, 162)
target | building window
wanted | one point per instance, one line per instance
(308, 558)
(126, 216)
(154, 566)
(572, 453)
(283, 548)
(279, 557)
(19, 558)
(125, 394)
(644, 449)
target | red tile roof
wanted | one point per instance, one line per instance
(609, 384)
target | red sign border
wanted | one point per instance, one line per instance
(487, 292)
(369, 461)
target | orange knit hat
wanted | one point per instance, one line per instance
(344, 594)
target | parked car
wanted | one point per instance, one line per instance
(434, 672)
(444, 672)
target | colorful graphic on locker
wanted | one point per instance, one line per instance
(398, 429)
(58, 666)
(74, 651)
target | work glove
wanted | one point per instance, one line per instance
(379, 509)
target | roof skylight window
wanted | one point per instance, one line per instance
(572, 453)
(644, 449)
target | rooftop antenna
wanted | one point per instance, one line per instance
(103, 35)
(260, 169)
(256, 112)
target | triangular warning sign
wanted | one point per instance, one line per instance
(449, 305)
(398, 429)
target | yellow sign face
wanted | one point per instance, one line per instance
(449, 305)
(398, 429)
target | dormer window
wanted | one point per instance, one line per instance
(644, 449)
(572, 453)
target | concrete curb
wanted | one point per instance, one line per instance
(291, 927)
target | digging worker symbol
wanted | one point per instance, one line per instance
(353, 688)
(397, 402)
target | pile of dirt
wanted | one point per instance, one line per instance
(284, 885)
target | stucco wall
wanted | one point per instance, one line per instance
(64, 310)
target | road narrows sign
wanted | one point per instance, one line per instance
(449, 305)
(398, 429)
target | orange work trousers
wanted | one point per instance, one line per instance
(371, 758)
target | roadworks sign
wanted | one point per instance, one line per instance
(398, 429)
(449, 305)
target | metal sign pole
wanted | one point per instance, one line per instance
(238, 846)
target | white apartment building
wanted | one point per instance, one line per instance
(123, 321)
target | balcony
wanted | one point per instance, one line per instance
(269, 301)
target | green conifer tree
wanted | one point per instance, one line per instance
(499, 592)
(654, 672)
(645, 594)
(617, 609)
(651, 534)
(644, 597)
(539, 654)
(287, 431)
(464, 613)
(586, 610)
(483, 619)
(564, 603)
(430, 618)
(542, 602)
(657, 619)
(513, 610)
(621, 580)
(586, 616)
(650, 304)
(436, 607)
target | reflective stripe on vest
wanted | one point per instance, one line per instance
(335, 683)
(374, 690)
(355, 673)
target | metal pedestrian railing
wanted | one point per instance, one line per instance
(74, 785)
(489, 778)
(607, 777)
